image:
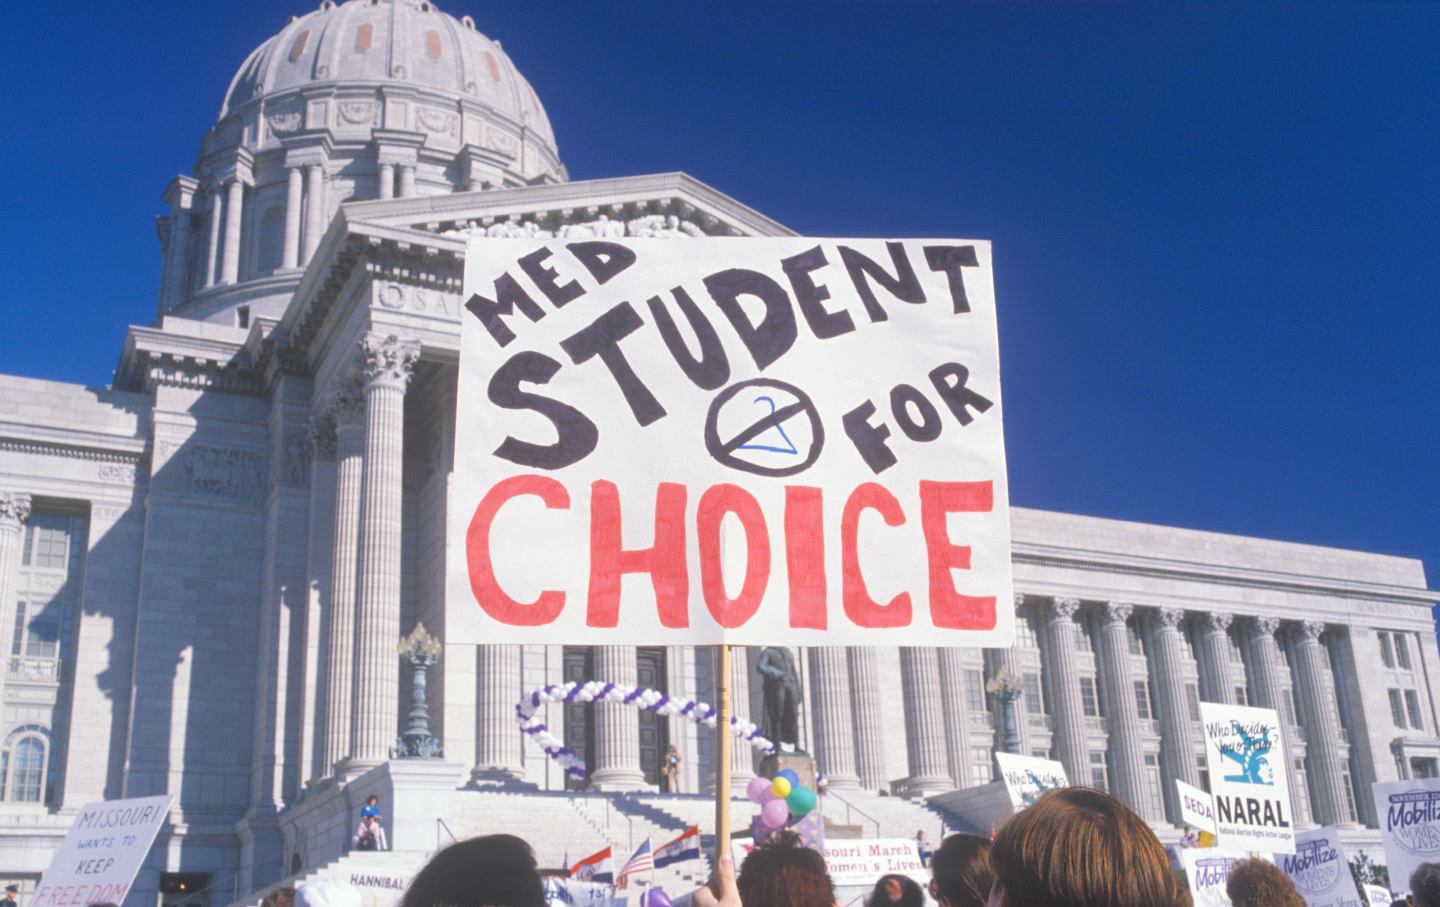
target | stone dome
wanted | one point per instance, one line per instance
(403, 42)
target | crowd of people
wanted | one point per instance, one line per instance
(1075, 847)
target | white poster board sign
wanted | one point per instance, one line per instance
(1197, 807)
(1027, 777)
(575, 893)
(1245, 751)
(1378, 895)
(100, 855)
(1207, 870)
(1409, 814)
(702, 440)
(1320, 871)
(859, 861)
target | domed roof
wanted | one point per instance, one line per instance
(406, 42)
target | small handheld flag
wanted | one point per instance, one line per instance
(685, 847)
(642, 861)
(598, 867)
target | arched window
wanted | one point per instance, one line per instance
(24, 764)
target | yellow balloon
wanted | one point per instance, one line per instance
(780, 787)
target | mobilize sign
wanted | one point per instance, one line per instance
(664, 441)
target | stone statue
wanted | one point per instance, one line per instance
(782, 695)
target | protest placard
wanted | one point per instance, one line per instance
(100, 855)
(1320, 871)
(1245, 752)
(744, 441)
(1197, 807)
(1027, 777)
(1377, 895)
(1409, 814)
(1207, 870)
(859, 861)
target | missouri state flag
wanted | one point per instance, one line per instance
(685, 847)
(598, 867)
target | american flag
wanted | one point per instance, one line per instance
(642, 861)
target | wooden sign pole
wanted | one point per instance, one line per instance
(723, 739)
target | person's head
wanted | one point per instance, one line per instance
(12, 890)
(372, 800)
(284, 896)
(1078, 847)
(489, 871)
(783, 872)
(896, 891)
(1260, 883)
(1425, 885)
(961, 871)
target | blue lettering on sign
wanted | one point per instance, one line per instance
(1250, 754)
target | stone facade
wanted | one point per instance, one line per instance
(217, 554)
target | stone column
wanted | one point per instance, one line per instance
(387, 180)
(14, 511)
(314, 209)
(1177, 740)
(834, 732)
(1214, 661)
(1122, 715)
(212, 254)
(742, 756)
(924, 722)
(1267, 687)
(955, 708)
(234, 207)
(497, 742)
(869, 725)
(407, 180)
(617, 727)
(1067, 709)
(388, 364)
(1322, 737)
(294, 198)
(346, 405)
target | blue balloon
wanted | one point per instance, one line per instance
(789, 775)
(654, 897)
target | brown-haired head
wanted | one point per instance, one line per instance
(1078, 847)
(1260, 883)
(961, 868)
(783, 872)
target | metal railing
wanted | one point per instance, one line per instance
(440, 826)
(851, 810)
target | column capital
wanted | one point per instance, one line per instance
(387, 361)
(1169, 618)
(1116, 612)
(1311, 629)
(345, 402)
(1261, 627)
(180, 193)
(309, 147)
(1218, 621)
(1062, 608)
(321, 429)
(14, 508)
(1019, 600)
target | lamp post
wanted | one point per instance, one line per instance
(422, 651)
(1006, 690)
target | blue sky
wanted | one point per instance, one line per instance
(1216, 228)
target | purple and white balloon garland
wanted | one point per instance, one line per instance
(646, 700)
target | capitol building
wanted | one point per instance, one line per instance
(206, 567)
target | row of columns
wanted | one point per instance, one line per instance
(849, 736)
(14, 511)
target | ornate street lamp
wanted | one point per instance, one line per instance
(422, 651)
(1006, 689)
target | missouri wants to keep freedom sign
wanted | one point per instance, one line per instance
(703, 440)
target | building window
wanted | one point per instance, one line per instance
(1412, 706)
(1387, 654)
(975, 691)
(1133, 638)
(22, 764)
(1088, 701)
(1025, 632)
(980, 771)
(1192, 695)
(1083, 642)
(1040, 754)
(1288, 703)
(1402, 651)
(1424, 768)
(1397, 711)
(1034, 702)
(1098, 779)
(242, 315)
(1302, 790)
(1154, 792)
(1204, 778)
(1240, 697)
(1142, 700)
(1350, 812)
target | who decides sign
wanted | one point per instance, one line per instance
(1245, 752)
(706, 440)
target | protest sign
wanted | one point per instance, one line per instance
(1197, 807)
(1377, 895)
(562, 892)
(1207, 870)
(100, 855)
(1320, 871)
(1245, 751)
(1027, 777)
(859, 861)
(741, 441)
(1409, 814)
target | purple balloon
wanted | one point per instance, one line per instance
(654, 897)
(757, 790)
(774, 813)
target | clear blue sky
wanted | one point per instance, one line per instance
(1216, 228)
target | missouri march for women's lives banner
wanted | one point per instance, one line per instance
(1245, 752)
(697, 441)
(1409, 815)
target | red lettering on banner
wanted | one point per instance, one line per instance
(715, 503)
(805, 555)
(664, 561)
(491, 598)
(863, 610)
(949, 610)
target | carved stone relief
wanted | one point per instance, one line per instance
(224, 473)
(282, 123)
(359, 113)
(437, 122)
(123, 473)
